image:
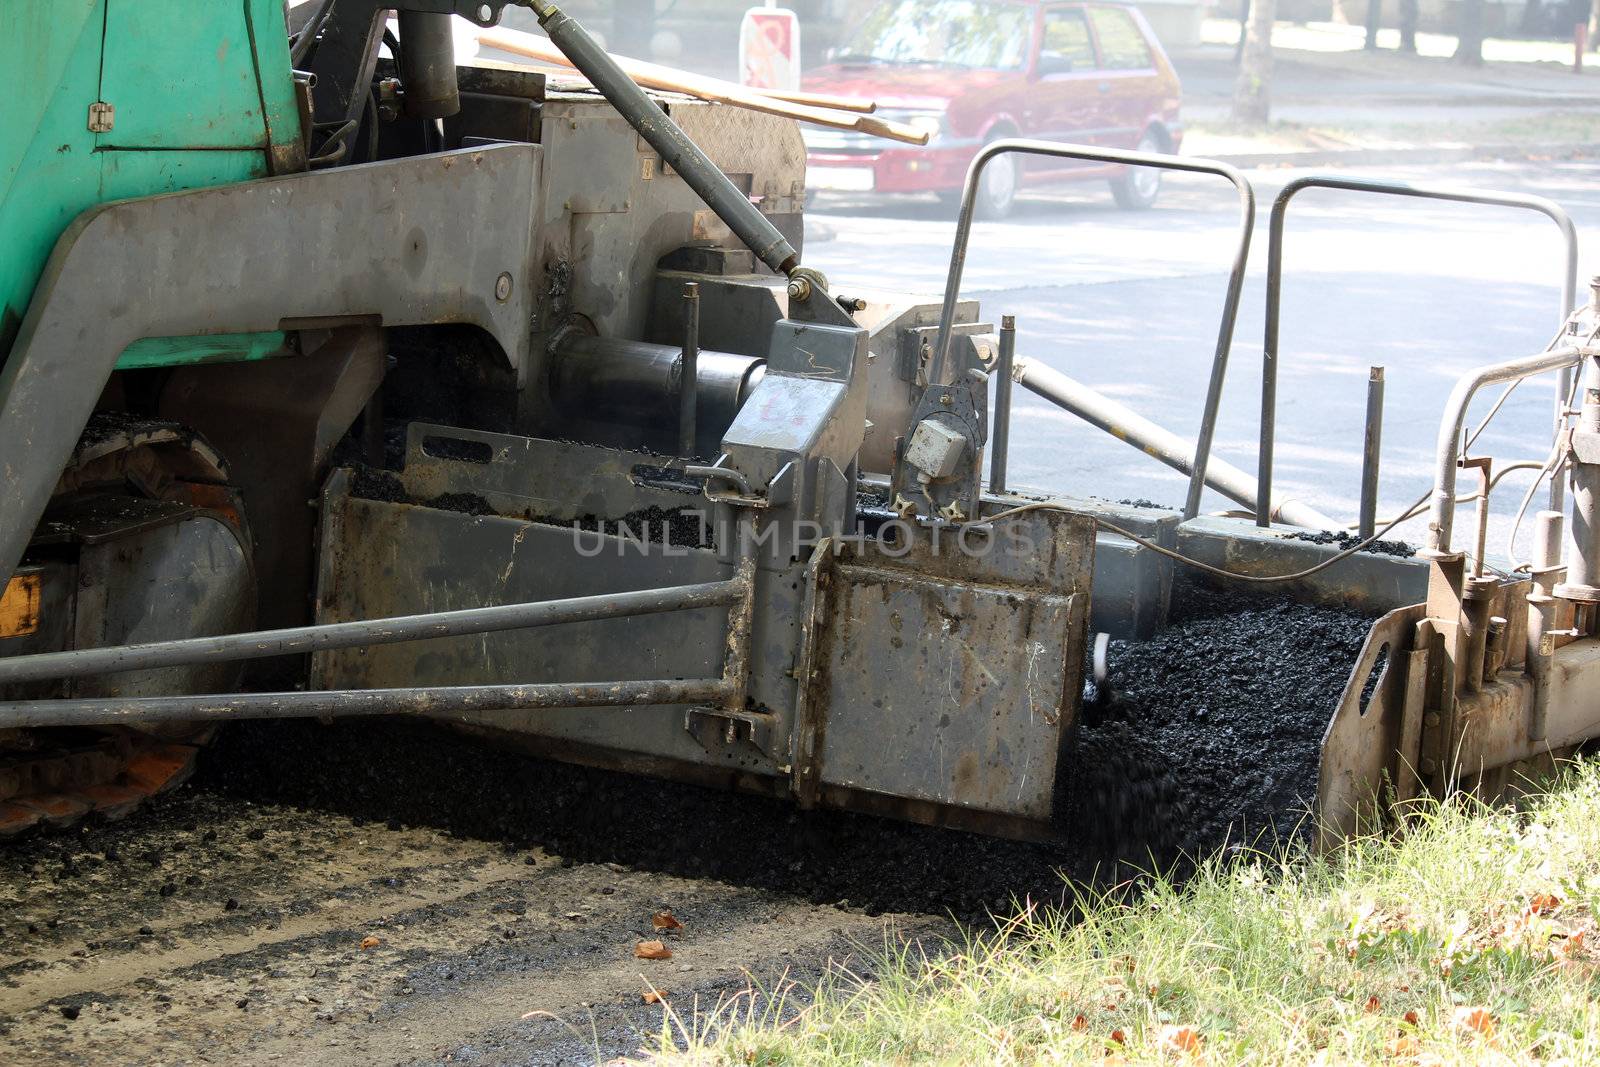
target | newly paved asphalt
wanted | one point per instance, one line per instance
(1129, 303)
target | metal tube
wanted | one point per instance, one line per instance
(49, 666)
(689, 372)
(1542, 617)
(428, 65)
(1004, 367)
(1154, 441)
(1448, 447)
(1269, 353)
(676, 149)
(343, 703)
(1372, 447)
(1583, 532)
(1230, 303)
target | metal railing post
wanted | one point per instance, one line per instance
(1230, 306)
(1269, 353)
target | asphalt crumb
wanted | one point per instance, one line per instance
(1344, 539)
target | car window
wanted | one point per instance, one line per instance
(1122, 46)
(942, 33)
(1066, 44)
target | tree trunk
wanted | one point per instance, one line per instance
(1244, 25)
(1594, 27)
(1252, 93)
(1375, 19)
(1469, 44)
(1408, 25)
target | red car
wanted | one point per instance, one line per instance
(971, 71)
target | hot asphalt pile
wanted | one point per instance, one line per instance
(1211, 737)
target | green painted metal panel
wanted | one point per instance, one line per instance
(201, 88)
(49, 74)
(216, 348)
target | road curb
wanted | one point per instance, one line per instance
(1358, 157)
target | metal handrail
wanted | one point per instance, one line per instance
(1269, 355)
(1230, 305)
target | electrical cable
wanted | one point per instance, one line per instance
(1162, 550)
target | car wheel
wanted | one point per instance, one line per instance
(997, 187)
(1136, 188)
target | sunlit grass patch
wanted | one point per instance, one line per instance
(1469, 939)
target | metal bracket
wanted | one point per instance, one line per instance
(718, 728)
(102, 117)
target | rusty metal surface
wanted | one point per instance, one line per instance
(944, 677)
(384, 558)
(1363, 735)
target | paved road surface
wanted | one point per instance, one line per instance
(1129, 303)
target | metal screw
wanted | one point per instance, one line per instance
(800, 288)
(502, 286)
(944, 398)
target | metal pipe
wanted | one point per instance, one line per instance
(689, 371)
(1154, 441)
(428, 65)
(676, 149)
(1372, 447)
(1230, 303)
(1582, 555)
(50, 666)
(1540, 654)
(343, 703)
(1275, 224)
(1448, 448)
(1004, 367)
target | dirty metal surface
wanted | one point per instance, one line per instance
(421, 261)
(948, 676)
(382, 559)
(1362, 742)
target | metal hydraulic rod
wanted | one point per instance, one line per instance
(366, 632)
(1154, 441)
(677, 150)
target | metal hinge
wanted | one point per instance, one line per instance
(102, 116)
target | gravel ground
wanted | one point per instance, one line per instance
(506, 893)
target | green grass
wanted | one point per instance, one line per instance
(1469, 939)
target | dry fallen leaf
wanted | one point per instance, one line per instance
(1184, 1039)
(652, 950)
(655, 996)
(1412, 1018)
(1404, 1045)
(1543, 904)
(1372, 1005)
(371, 942)
(1080, 1023)
(665, 920)
(1477, 1019)
(1119, 1037)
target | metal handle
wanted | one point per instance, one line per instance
(1230, 304)
(1269, 354)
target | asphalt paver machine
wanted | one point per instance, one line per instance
(341, 380)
